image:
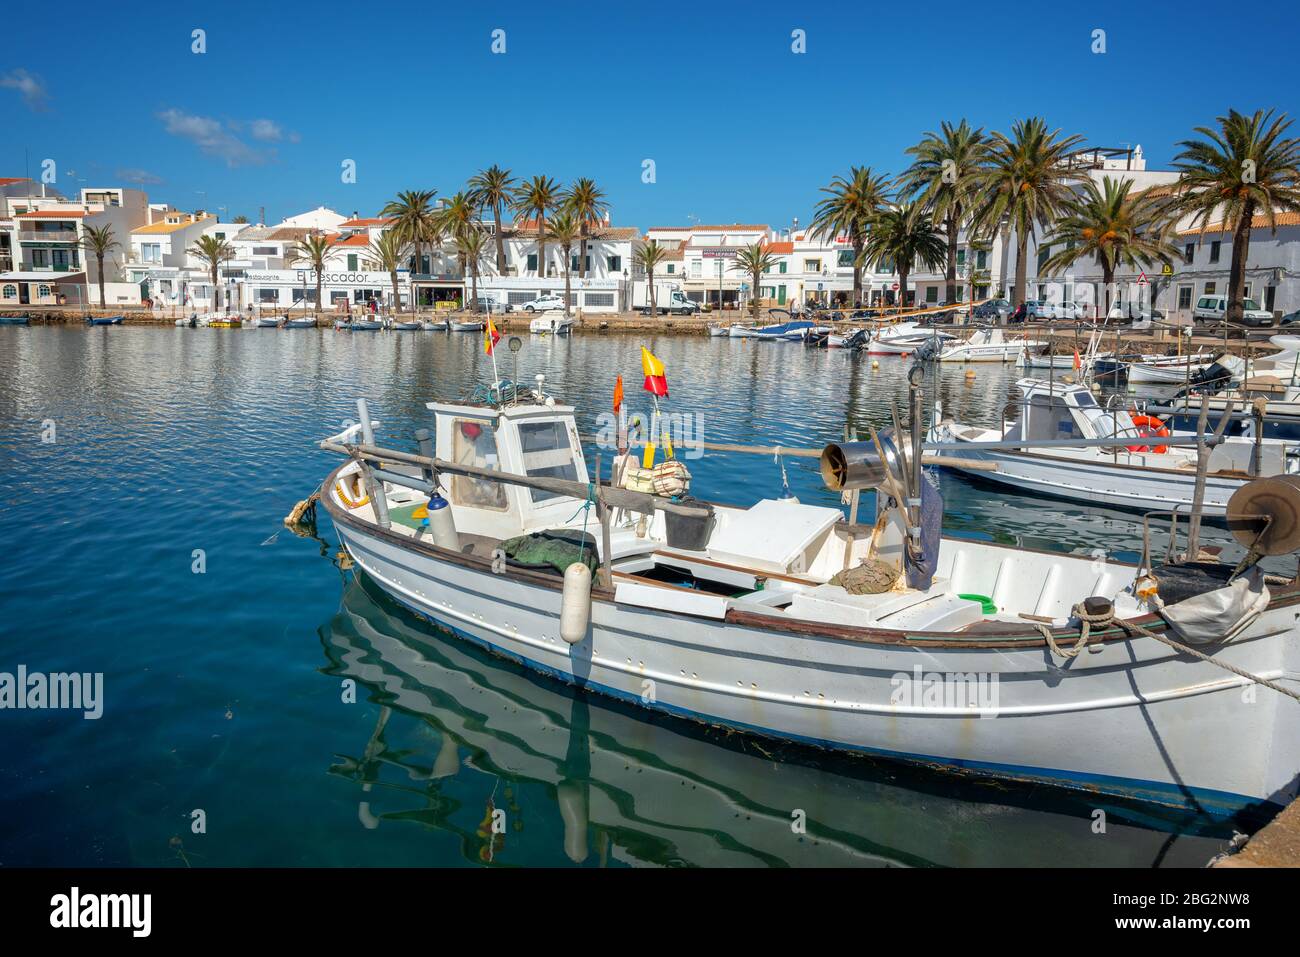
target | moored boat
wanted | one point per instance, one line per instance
(946, 652)
(104, 320)
(989, 344)
(301, 322)
(553, 323)
(269, 322)
(466, 325)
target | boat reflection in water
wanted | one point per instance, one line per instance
(606, 785)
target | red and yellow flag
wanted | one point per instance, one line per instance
(656, 382)
(618, 395)
(490, 337)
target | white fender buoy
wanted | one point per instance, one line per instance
(441, 524)
(575, 605)
(875, 363)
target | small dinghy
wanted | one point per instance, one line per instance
(301, 322)
(717, 331)
(782, 619)
(404, 325)
(554, 323)
(432, 325)
(268, 322)
(1168, 370)
(14, 320)
(104, 320)
(467, 325)
(904, 338)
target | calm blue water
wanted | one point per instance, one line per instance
(223, 689)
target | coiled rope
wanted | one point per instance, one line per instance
(1104, 620)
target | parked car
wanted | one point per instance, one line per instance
(493, 306)
(1213, 311)
(993, 309)
(1291, 318)
(543, 303)
(1065, 311)
(1135, 312)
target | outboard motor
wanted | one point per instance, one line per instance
(1211, 378)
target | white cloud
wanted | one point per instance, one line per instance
(140, 177)
(30, 86)
(212, 137)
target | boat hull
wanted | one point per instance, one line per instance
(1178, 732)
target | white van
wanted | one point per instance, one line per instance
(1215, 308)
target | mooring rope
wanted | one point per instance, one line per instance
(1106, 619)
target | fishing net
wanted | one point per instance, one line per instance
(551, 550)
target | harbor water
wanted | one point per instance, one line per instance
(262, 705)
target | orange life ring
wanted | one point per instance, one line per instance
(1150, 426)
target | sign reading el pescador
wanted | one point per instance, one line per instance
(25, 690)
(307, 277)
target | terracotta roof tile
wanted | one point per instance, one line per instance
(780, 249)
(364, 222)
(1259, 222)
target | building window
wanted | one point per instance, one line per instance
(11, 292)
(1184, 297)
(931, 293)
(613, 263)
(352, 262)
(268, 295)
(697, 268)
(1214, 251)
(42, 290)
(265, 251)
(961, 257)
(1189, 253)
(812, 265)
(1245, 291)
(532, 262)
(781, 266)
(982, 261)
(1043, 253)
(846, 257)
(671, 268)
(981, 292)
(1209, 288)
(602, 299)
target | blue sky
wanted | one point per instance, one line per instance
(740, 128)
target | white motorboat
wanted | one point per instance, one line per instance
(433, 325)
(734, 616)
(1137, 472)
(1066, 363)
(741, 331)
(551, 322)
(717, 331)
(904, 338)
(989, 344)
(467, 325)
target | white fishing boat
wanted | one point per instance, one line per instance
(741, 331)
(1138, 471)
(466, 325)
(1168, 370)
(403, 325)
(989, 344)
(959, 655)
(433, 325)
(1064, 363)
(904, 338)
(553, 322)
(268, 322)
(717, 331)
(301, 322)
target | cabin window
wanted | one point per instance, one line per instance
(547, 454)
(474, 443)
(1047, 417)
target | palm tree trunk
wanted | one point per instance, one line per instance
(541, 247)
(397, 293)
(99, 260)
(1022, 250)
(950, 277)
(566, 282)
(650, 278)
(902, 286)
(857, 270)
(501, 243)
(216, 293)
(582, 254)
(1237, 277)
(318, 290)
(753, 305)
(1107, 282)
(473, 285)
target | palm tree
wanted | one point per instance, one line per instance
(412, 214)
(943, 177)
(389, 250)
(1243, 167)
(755, 260)
(586, 201)
(492, 188)
(566, 231)
(1026, 181)
(901, 235)
(314, 249)
(99, 241)
(455, 217)
(1115, 227)
(212, 252)
(648, 256)
(240, 219)
(537, 197)
(852, 202)
(470, 245)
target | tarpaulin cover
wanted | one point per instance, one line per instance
(920, 573)
(556, 550)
